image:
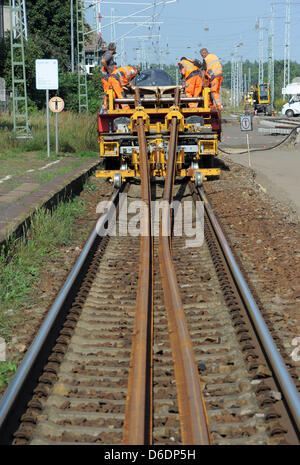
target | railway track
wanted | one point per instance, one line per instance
(153, 342)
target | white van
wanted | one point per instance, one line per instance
(292, 108)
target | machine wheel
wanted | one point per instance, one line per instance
(289, 113)
(195, 119)
(117, 180)
(198, 179)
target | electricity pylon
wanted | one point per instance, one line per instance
(81, 64)
(18, 33)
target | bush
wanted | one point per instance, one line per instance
(278, 104)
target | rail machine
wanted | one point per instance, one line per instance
(152, 98)
(258, 100)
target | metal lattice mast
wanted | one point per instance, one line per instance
(18, 33)
(97, 12)
(261, 52)
(287, 44)
(232, 81)
(81, 62)
(72, 35)
(249, 79)
(113, 35)
(239, 79)
(123, 53)
(271, 54)
(236, 82)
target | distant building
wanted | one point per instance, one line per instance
(94, 50)
(6, 19)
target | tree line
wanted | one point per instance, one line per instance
(49, 36)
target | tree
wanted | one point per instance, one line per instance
(49, 24)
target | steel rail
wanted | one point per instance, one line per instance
(278, 366)
(138, 414)
(192, 411)
(20, 388)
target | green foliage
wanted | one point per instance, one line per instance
(21, 265)
(77, 132)
(95, 91)
(7, 370)
(49, 24)
(49, 36)
(68, 90)
(278, 103)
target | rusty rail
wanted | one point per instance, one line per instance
(192, 411)
(138, 414)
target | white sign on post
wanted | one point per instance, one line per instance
(246, 125)
(46, 74)
(46, 78)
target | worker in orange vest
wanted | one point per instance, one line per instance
(213, 70)
(193, 79)
(108, 67)
(108, 64)
(120, 78)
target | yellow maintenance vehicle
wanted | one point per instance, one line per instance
(258, 100)
(153, 98)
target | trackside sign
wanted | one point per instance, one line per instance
(246, 123)
(46, 74)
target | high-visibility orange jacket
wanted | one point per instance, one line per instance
(213, 66)
(188, 67)
(126, 73)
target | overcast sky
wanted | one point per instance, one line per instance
(188, 25)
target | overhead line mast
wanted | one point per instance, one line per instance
(81, 64)
(271, 55)
(18, 33)
(287, 44)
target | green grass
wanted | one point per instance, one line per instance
(48, 176)
(7, 370)
(23, 260)
(77, 132)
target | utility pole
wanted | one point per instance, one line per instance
(72, 35)
(261, 52)
(249, 79)
(81, 64)
(18, 33)
(287, 44)
(271, 54)
(113, 26)
(232, 81)
(236, 77)
(122, 52)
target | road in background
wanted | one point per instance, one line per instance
(278, 170)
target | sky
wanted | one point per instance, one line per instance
(188, 25)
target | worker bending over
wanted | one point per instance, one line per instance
(120, 78)
(214, 72)
(193, 79)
